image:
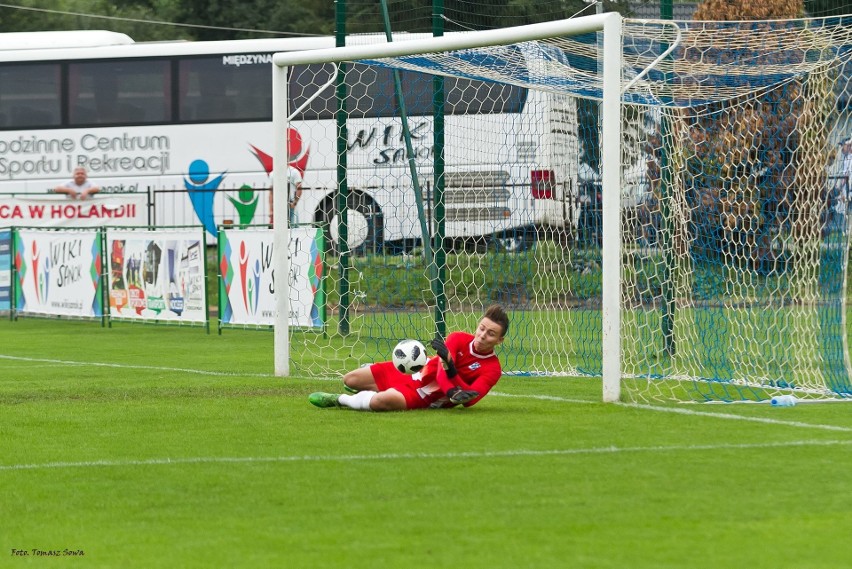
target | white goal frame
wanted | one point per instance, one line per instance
(611, 26)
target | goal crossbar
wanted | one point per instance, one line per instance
(468, 40)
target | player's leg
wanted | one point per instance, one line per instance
(387, 389)
(360, 385)
(380, 387)
(360, 379)
(388, 400)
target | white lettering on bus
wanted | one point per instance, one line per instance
(253, 59)
(124, 142)
(106, 163)
(11, 168)
(36, 145)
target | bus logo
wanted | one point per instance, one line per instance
(298, 155)
(202, 189)
(201, 185)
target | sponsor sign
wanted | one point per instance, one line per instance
(156, 275)
(247, 288)
(59, 211)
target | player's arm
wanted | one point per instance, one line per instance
(481, 385)
(445, 382)
(458, 392)
(443, 352)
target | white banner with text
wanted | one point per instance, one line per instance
(58, 272)
(247, 285)
(60, 211)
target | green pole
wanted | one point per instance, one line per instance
(666, 236)
(409, 148)
(438, 284)
(342, 186)
(415, 182)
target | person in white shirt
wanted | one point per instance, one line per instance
(80, 188)
(294, 193)
(846, 164)
(841, 191)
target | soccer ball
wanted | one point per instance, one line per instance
(409, 356)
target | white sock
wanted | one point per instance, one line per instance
(359, 401)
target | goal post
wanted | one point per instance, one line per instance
(611, 198)
(664, 210)
(609, 24)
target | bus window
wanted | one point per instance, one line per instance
(303, 83)
(119, 92)
(371, 93)
(225, 88)
(29, 95)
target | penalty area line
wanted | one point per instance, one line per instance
(732, 417)
(728, 416)
(613, 450)
(693, 412)
(131, 366)
(542, 397)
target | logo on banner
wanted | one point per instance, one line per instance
(41, 275)
(249, 279)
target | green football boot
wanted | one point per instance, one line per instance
(350, 390)
(320, 399)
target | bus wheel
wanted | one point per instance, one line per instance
(516, 240)
(365, 225)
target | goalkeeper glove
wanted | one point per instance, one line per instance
(444, 353)
(459, 396)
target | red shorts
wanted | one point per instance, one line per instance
(417, 394)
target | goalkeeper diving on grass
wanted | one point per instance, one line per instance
(463, 372)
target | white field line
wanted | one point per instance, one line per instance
(733, 417)
(132, 366)
(681, 411)
(416, 456)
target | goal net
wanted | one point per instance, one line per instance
(707, 198)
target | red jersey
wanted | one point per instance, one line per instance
(477, 372)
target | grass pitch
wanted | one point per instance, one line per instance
(143, 446)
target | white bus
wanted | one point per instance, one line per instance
(190, 123)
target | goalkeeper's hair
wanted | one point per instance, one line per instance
(496, 314)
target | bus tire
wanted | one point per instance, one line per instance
(516, 240)
(365, 224)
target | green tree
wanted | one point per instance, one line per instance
(132, 17)
(757, 167)
(140, 18)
